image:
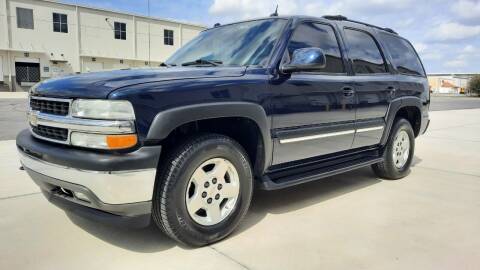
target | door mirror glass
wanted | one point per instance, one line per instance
(306, 59)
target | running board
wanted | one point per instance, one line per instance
(268, 182)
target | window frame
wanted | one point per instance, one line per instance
(379, 47)
(339, 43)
(120, 31)
(18, 18)
(165, 37)
(60, 22)
(414, 50)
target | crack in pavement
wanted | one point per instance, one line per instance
(446, 171)
(19, 196)
(228, 257)
(452, 139)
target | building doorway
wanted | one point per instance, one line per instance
(1, 69)
(27, 74)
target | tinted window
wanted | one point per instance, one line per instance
(168, 37)
(246, 43)
(403, 55)
(60, 23)
(364, 52)
(24, 18)
(320, 36)
(120, 30)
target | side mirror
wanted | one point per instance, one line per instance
(305, 59)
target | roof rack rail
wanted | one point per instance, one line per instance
(343, 18)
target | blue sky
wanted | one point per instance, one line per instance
(446, 33)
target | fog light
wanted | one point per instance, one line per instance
(81, 196)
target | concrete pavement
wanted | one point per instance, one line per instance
(429, 220)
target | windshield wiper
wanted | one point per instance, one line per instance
(163, 64)
(203, 62)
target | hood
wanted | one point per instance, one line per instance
(101, 84)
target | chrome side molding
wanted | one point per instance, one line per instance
(326, 135)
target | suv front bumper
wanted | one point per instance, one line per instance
(107, 186)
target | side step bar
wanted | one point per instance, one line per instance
(268, 183)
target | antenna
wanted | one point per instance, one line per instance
(275, 14)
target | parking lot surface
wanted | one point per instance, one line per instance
(428, 220)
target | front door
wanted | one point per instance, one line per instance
(313, 112)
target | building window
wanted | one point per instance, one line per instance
(168, 37)
(24, 18)
(60, 23)
(120, 31)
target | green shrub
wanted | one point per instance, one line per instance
(474, 84)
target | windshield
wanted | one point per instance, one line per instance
(240, 44)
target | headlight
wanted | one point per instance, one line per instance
(103, 109)
(101, 141)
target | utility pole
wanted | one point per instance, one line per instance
(149, 46)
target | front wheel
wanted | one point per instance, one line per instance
(398, 153)
(204, 190)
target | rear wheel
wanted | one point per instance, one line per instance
(398, 153)
(204, 190)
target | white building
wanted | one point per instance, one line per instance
(449, 83)
(41, 39)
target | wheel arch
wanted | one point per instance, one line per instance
(407, 107)
(166, 122)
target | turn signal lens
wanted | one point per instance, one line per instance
(100, 141)
(121, 141)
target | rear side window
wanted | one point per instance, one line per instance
(403, 55)
(321, 36)
(364, 52)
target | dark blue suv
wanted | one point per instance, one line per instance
(266, 103)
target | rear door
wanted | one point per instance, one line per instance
(411, 75)
(373, 84)
(313, 112)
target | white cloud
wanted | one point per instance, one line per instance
(467, 9)
(246, 9)
(454, 31)
(470, 49)
(420, 47)
(433, 55)
(456, 63)
(355, 8)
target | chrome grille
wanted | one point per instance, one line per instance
(50, 120)
(50, 106)
(53, 133)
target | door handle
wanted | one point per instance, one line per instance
(348, 91)
(392, 90)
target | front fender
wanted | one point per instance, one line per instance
(166, 121)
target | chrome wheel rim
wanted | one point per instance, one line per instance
(212, 191)
(401, 149)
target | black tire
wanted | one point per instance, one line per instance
(387, 169)
(169, 206)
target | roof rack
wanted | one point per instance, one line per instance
(343, 18)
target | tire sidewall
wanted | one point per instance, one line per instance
(177, 211)
(400, 124)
